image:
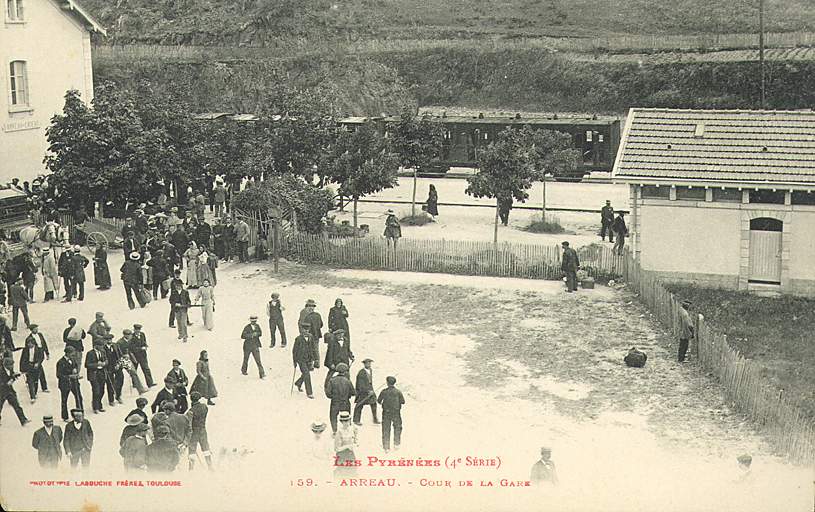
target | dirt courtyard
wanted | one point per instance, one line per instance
(491, 368)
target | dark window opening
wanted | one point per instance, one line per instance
(727, 195)
(803, 197)
(690, 194)
(767, 196)
(654, 192)
(766, 224)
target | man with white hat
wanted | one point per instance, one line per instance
(132, 277)
(50, 275)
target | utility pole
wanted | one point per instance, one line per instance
(761, 49)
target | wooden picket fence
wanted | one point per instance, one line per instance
(781, 420)
(448, 256)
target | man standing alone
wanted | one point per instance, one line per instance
(606, 219)
(251, 345)
(242, 239)
(569, 265)
(685, 330)
(392, 401)
(78, 441)
(274, 310)
(621, 230)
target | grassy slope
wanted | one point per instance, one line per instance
(776, 332)
(255, 22)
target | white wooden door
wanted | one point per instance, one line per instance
(765, 256)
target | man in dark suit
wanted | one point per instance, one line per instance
(68, 380)
(166, 394)
(7, 393)
(569, 265)
(39, 342)
(78, 440)
(31, 365)
(304, 358)
(18, 298)
(48, 443)
(78, 281)
(95, 363)
(115, 375)
(65, 269)
(251, 345)
(310, 316)
(180, 303)
(138, 347)
(392, 401)
(340, 390)
(335, 353)
(365, 392)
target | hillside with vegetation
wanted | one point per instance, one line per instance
(264, 22)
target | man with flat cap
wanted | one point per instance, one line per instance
(99, 328)
(138, 348)
(48, 443)
(251, 345)
(68, 380)
(392, 401)
(95, 363)
(543, 471)
(340, 390)
(365, 392)
(78, 439)
(685, 330)
(569, 265)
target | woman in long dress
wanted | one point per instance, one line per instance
(206, 297)
(204, 272)
(101, 272)
(191, 257)
(204, 383)
(433, 202)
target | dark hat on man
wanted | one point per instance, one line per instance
(141, 401)
(69, 349)
(162, 430)
(310, 302)
(367, 360)
(168, 405)
(99, 314)
(253, 317)
(195, 396)
(564, 244)
(745, 458)
(127, 331)
(31, 327)
(143, 427)
(176, 361)
(687, 303)
(169, 380)
(108, 336)
(137, 326)
(76, 410)
(97, 343)
(47, 417)
(390, 380)
(342, 368)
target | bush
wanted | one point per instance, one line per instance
(550, 225)
(311, 204)
(343, 230)
(420, 219)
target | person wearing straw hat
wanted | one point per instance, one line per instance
(393, 230)
(685, 330)
(345, 440)
(48, 443)
(132, 279)
(321, 448)
(50, 274)
(251, 345)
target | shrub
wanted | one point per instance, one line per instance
(550, 225)
(311, 204)
(420, 219)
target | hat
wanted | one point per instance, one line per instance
(342, 367)
(687, 303)
(162, 430)
(143, 427)
(339, 331)
(168, 405)
(46, 249)
(253, 317)
(367, 360)
(564, 244)
(345, 416)
(390, 380)
(133, 419)
(127, 331)
(48, 417)
(176, 361)
(745, 458)
(275, 295)
(390, 212)
(137, 326)
(69, 349)
(318, 426)
(31, 327)
(108, 336)
(546, 449)
(310, 302)
(195, 396)
(134, 255)
(77, 248)
(169, 380)
(141, 401)
(76, 410)
(99, 314)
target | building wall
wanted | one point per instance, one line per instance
(708, 243)
(57, 50)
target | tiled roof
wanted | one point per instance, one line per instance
(733, 146)
(90, 22)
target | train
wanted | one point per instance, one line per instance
(597, 137)
(465, 134)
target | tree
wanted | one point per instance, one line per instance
(552, 153)
(505, 171)
(417, 142)
(290, 194)
(104, 153)
(361, 163)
